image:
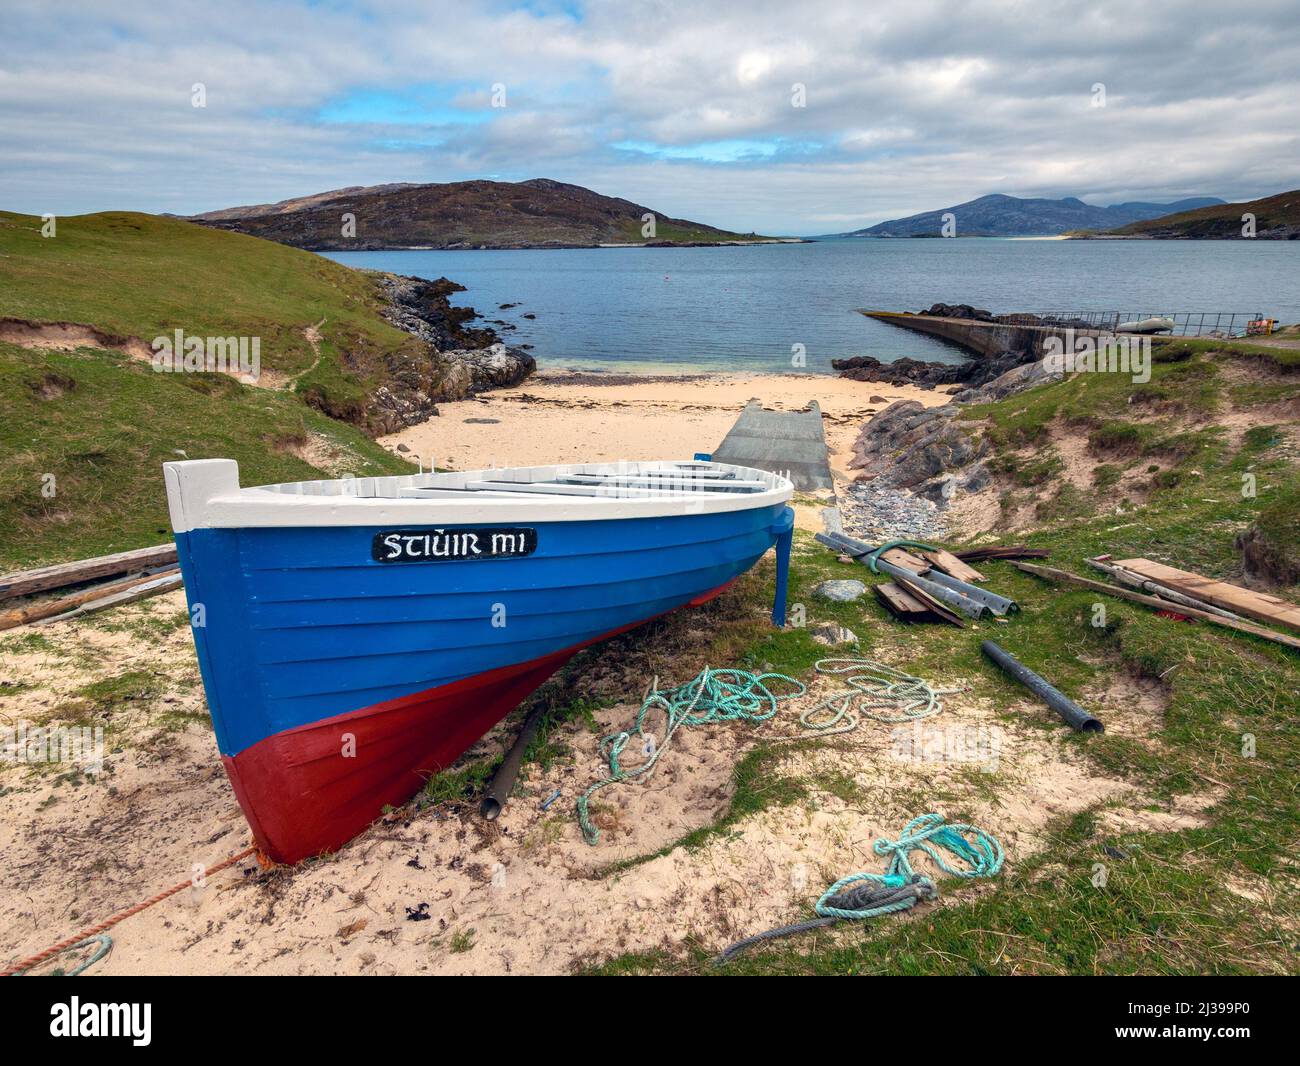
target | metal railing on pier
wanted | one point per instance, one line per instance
(1185, 323)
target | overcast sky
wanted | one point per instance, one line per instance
(687, 107)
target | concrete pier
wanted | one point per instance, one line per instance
(984, 338)
(790, 443)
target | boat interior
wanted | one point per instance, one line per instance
(621, 480)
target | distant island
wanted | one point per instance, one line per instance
(1275, 218)
(539, 213)
(998, 215)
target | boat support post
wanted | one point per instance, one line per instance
(784, 530)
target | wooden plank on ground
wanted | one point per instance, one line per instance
(951, 565)
(155, 586)
(899, 601)
(1052, 574)
(34, 612)
(25, 582)
(906, 560)
(1258, 605)
(1010, 551)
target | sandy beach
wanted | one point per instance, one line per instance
(437, 890)
(561, 416)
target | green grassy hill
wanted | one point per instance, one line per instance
(103, 422)
(135, 275)
(1276, 218)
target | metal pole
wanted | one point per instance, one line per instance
(999, 605)
(971, 601)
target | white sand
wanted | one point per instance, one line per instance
(557, 416)
(521, 895)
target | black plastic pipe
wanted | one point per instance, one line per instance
(1075, 716)
(503, 781)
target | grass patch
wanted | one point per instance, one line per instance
(81, 470)
(1028, 471)
(1169, 351)
(1116, 438)
(1106, 475)
(112, 693)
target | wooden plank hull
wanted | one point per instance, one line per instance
(346, 661)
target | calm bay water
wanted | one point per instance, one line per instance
(744, 309)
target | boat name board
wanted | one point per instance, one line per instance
(438, 545)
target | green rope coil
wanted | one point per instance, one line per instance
(976, 852)
(972, 853)
(711, 696)
(875, 691)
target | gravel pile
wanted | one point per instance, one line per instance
(879, 514)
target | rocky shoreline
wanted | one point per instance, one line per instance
(930, 453)
(456, 361)
(971, 374)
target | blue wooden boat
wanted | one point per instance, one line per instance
(358, 635)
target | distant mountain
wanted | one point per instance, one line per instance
(539, 213)
(1276, 218)
(1011, 216)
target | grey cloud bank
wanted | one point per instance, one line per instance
(688, 106)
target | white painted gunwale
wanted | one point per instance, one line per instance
(206, 494)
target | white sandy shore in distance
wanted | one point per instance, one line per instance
(560, 416)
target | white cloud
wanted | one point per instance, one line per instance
(910, 106)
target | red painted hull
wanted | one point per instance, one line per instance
(312, 789)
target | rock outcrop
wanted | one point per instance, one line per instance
(412, 386)
(421, 307)
(455, 361)
(1017, 379)
(927, 450)
(930, 450)
(973, 373)
(470, 370)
